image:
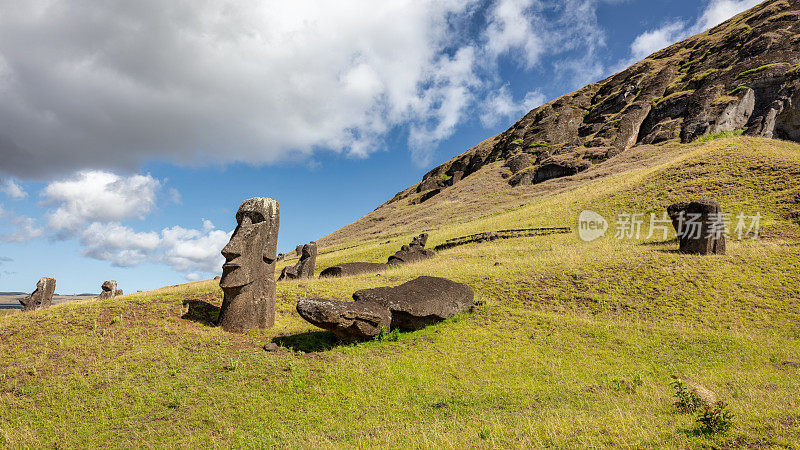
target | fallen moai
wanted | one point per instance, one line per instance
(350, 269)
(304, 268)
(410, 306)
(700, 226)
(40, 298)
(413, 252)
(109, 290)
(248, 274)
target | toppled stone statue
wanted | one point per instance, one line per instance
(413, 252)
(350, 269)
(700, 226)
(410, 306)
(248, 275)
(42, 297)
(109, 290)
(304, 268)
(347, 320)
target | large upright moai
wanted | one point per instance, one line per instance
(248, 275)
(42, 297)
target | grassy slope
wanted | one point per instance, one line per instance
(550, 359)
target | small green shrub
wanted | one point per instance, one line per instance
(517, 141)
(720, 135)
(388, 336)
(445, 177)
(715, 418)
(685, 400)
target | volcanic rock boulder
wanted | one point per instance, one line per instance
(347, 320)
(413, 252)
(304, 268)
(350, 269)
(42, 297)
(700, 226)
(109, 290)
(420, 302)
(248, 275)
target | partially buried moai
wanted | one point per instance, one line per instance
(248, 275)
(42, 297)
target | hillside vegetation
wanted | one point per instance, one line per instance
(575, 346)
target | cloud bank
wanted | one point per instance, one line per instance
(108, 85)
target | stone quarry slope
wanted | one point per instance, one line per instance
(742, 76)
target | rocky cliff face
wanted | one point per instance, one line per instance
(743, 75)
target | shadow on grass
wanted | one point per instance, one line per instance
(201, 312)
(309, 342)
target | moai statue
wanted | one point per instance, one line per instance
(42, 297)
(700, 226)
(299, 250)
(304, 268)
(413, 252)
(248, 275)
(109, 289)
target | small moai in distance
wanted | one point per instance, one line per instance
(248, 274)
(413, 252)
(700, 226)
(281, 257)
(298, 250)
(109, 290)
(304, 269)
(42, 297)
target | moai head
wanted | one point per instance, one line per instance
(248, 275)
(252, 248)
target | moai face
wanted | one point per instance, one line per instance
(248, 275)
(252, 247)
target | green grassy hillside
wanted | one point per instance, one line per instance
(575, 346)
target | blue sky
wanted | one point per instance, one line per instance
(130, 133)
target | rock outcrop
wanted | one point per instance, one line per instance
(700, 226)
(350, 269)
(304, 269)
(742, 75)
(40, 298)
(410, 306)
(413, 252)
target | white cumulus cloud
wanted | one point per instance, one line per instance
(500, 105)
(99, 196)
(184, 250)
(9, 187)
(23, 229)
